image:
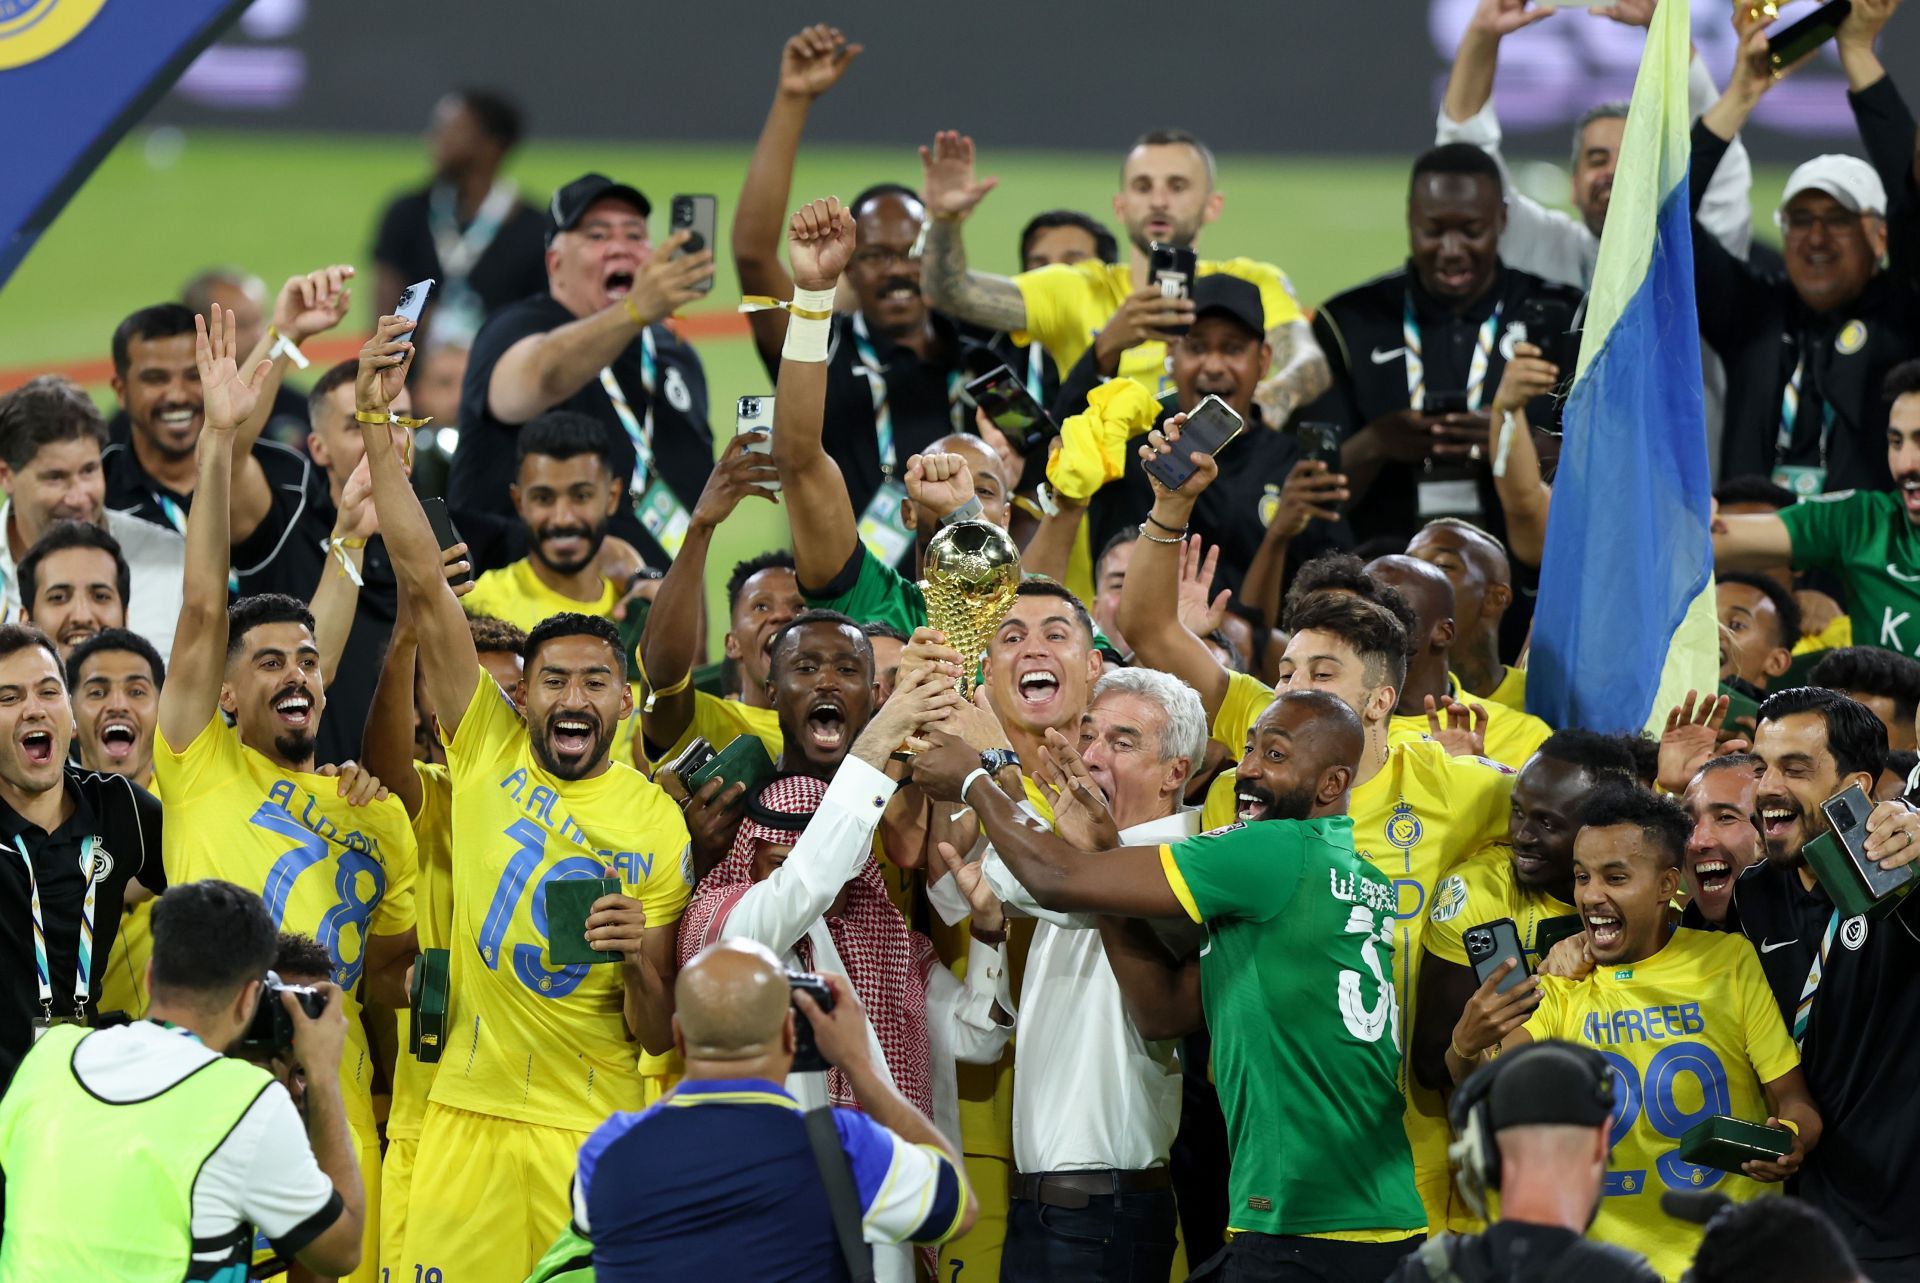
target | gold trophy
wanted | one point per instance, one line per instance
(973, 574)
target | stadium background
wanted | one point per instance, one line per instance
(281, 145)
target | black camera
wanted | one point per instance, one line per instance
(806, 1053)
(271, 1033)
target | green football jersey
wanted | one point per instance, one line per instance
(1297, 980)
(1865, 538)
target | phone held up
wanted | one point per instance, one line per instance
(806, 1052)
(755, 414)
(1492, 943)
(696, 214)
(446, 534)
(1208, 428)
(1171, 269)
(413, 301)
(1011, 408)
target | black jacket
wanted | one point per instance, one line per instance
(1762, 331)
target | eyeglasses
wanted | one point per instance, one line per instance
(1837, 222)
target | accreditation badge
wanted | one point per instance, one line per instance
(1803, 481)
(881, 528)
(664, 516)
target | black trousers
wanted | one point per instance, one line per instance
(1115, 1238)
(1287, 1258)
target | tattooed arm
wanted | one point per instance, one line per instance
(1300, 373)
(951, 193)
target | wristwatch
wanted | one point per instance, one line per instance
(968, 511)
(996, 760)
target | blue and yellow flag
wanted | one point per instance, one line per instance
(74, 76)
(1625, 623)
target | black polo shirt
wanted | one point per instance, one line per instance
(1364, 334)
(484, 465)
(286, 554)
(124, 820)
(1861, 1055)
(513, 265)
(131, 490)
(1234, 512)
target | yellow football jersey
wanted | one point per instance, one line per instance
(1512, 735)
(1691, 1032)
(1068, 303)
(1421, 815)
(1511, 692)
(433, 905)
(721, 721)
(336, 872)
(1482, 890)
(514, 593)
(531, 1041)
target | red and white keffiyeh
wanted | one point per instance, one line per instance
(887, 962)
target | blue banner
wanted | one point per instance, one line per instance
(74, 76)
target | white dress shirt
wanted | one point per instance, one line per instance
(1558, 247)
(1089, 1093)
(156, 556)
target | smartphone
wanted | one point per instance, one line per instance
(1852, 879)
(569, 904)
(755, 414)
(1320, 443)
(806, 1052)
(1551, 931)
(1786, 47)
(743, 760)
(446, 534)
(1439, 403)
(1492, 943)
(696, 214)
(413, 300)
(1012, 409)
(1211, 425)
(1171, 268)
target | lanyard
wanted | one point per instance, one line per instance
(1803, 1012)
(83, 977)
(882, 411)
(639, 431)
(459, 251)
(170, 508)
(1476, 369)
(1790, 415)
(1036, 371)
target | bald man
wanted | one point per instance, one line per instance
(1296, 984)
(1476, 564)
(1431, 701)
(740, 1143)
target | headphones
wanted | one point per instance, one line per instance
(1543, 1083)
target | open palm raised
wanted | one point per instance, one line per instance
(229, 399)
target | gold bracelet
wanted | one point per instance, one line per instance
(373, 416)
(765, 303)
(1454, 1047)
(633, 313)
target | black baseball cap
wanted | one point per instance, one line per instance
(1547, 1083)
(1232, 297)
(571, 202)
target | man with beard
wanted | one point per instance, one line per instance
(1725, 842)
(114, 678)
(1662, 1002)
(596, 343)
(893, 364)
(1167, 195)
(73, 583)
(546, 1050)
(1508, 736)
(51, 438)
(244, 803)
(1096, 1098)
(1529, 881)
(565, 492)
(1266, 490)
(1868, 539)
(1418, 353)
(1418, 812)
(1845, 987)
(960, 477)
(1476, 564)
(1295, 985)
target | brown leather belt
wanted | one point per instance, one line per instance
(1071, 1190)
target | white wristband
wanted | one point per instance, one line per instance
(807, 338)
(978, 772)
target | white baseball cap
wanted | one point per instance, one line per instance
(1847, 179)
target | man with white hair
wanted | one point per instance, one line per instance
(1806, 355)
(1095, 1101)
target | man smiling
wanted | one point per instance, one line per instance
(1725, 840)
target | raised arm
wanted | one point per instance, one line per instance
(453, 665)
(197, 667)
(951, 193)
(668, 643)
(810, 64)
(1311, 492)
(1524, 493)
(1147, 618)
(542, 370)
(1470, 83)
(1127, 880)
(1751, 542)
(825, 533)
(386, 745)
(1162, 994)
(306, 306)
(1300, 373)
(336, 599)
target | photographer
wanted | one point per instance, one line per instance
(182, 1148)
(1532, 1125)
(744, 1144)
